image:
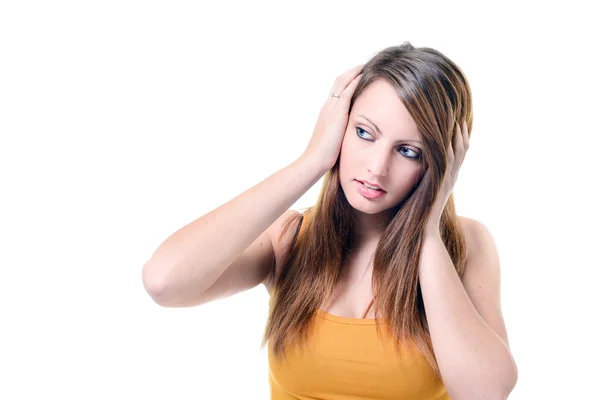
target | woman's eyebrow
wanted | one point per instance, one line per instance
(379, 131)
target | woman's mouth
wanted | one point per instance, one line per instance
(368, 192)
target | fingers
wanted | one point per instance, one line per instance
(462, 137)
(459, 143)
(349, 91)
(342, 81)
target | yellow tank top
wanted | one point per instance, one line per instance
(346, 360)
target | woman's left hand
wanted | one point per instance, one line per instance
(456, 156)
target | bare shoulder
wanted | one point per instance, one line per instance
(467, 228)
(472, 226)
(477, 236)
(281, 233)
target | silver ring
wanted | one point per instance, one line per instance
(334, 95)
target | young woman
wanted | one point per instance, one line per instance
(378, 291)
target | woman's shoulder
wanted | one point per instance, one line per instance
(471, 227)
(282, 234)
(476, 233)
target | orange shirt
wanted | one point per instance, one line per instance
(347, 361)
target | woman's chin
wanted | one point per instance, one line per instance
(365, 205)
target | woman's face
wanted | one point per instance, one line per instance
(389, 157)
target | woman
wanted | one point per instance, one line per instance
(379, 290)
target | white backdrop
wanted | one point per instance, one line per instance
(122, 121)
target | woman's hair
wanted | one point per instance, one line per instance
(437, 95)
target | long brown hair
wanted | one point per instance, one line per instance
(437, 95)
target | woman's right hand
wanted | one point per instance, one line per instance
(326, 141)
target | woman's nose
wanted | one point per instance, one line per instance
(379, 163)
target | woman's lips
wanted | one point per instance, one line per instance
(371, 184)
(369, 193)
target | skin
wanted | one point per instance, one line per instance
(384, 159)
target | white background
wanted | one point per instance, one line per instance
(122, 121)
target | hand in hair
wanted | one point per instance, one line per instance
(326, 141)
(455, 155)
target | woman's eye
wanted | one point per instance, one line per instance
(360, 129)
(415, 155)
